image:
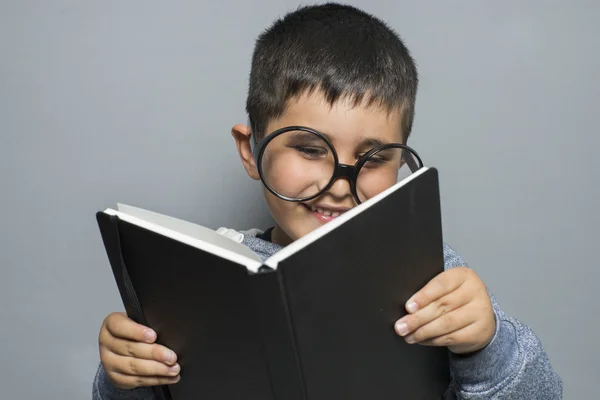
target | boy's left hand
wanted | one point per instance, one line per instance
(453, 310)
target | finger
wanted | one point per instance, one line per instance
(447, 323)
(434, 310)
(136, 366)
(442, 284)
(458, 342)
(145, 351)
(123, 381)
(119, 325)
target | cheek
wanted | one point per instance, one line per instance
(287, 176)
(291, 217)
(373, 184)
(280, 209)
(281, 171)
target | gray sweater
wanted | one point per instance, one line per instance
(513, 366)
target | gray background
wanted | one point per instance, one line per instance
(133, 101)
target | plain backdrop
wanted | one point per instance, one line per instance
(133, 101)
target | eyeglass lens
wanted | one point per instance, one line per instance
(300, 164)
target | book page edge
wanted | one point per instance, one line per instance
(250, 264)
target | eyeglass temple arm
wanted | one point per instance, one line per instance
(410, 161)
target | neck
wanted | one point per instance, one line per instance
(278, 236)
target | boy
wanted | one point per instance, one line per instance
(350, 81)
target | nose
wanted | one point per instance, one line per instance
(341, 188)
(345, 177)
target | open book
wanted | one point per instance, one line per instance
(312, 322)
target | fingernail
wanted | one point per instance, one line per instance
(174, 370)
(412, 307)
(149, 334)
(401, 328)
(169, 356)
(410, 339)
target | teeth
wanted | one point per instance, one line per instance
(325, 212)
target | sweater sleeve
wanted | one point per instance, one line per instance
(514, 365)
(104, 389)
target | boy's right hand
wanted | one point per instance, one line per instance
(131, 358)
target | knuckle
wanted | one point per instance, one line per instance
(103, 356)
(110, 343)
(442, 285)
(133, 367)
(117, 380)
(447, 340)
(469, 273)
(156, 381)
(436, 287)
(104, 330)
(442, 306)
(110, 318)
(139, 381)
(481, 307)
(449, 321)
(110, 362)
(483, 292)
(110, 321)
(411, 322)
(102, 336)
(463, 269)
(129, 349)
(418, 336)
(156, 352)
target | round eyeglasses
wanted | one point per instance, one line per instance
(298, 164)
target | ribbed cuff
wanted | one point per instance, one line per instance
(489, 367)
(105, 390)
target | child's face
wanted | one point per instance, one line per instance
(348, 128)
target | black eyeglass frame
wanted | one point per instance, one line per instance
(349, 172)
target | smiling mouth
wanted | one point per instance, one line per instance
(325, 213)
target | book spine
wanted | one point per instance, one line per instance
(109, 230)
(274, 322)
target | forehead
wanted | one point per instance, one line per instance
(343, 122)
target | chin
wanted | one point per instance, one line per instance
(295, 220)
(299, 229)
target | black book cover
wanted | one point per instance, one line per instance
(319, 326)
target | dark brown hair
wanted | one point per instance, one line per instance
(337, 49)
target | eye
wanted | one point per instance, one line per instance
(311, 151)
(375, 161)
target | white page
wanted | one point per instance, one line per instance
(188, 228)
(313, 236)
(190, 234)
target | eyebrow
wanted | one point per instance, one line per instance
(372, 142)
(302, 135)
(365, 141)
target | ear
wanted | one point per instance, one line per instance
(242, 135)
